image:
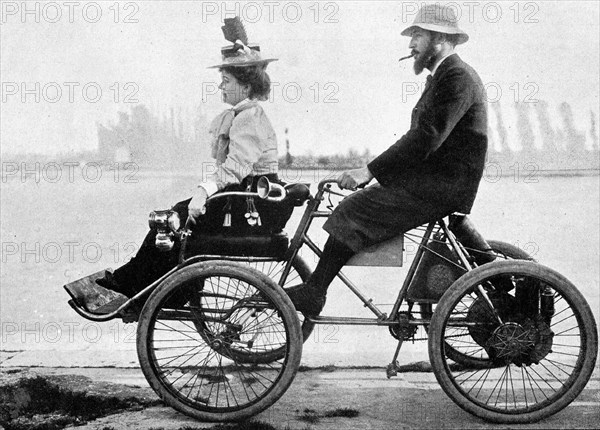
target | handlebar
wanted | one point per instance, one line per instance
(325, 182)
(264, 189)
(241, 194)
(189, 223)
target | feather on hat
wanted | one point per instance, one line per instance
(240, 54)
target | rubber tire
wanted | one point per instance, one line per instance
(262, 283)
(558, 282)
(510, 252)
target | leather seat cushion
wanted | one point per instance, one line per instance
(273, 245)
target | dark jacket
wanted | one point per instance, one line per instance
(441, 158)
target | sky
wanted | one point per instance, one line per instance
(337, 83)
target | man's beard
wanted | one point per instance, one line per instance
(425, 59)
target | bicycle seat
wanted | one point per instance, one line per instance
(270, 245)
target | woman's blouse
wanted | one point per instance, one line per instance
(244, 144)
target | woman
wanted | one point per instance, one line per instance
(244, 146)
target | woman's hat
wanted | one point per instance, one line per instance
(240, 54)
(435, 17)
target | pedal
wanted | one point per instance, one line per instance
(391, 370)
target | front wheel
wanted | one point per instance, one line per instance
(541, 337)
(273, 270)
(196, 322)
(299, 273)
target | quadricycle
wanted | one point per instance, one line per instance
(509, 340)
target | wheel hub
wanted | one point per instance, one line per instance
(216, 344)
(511, 343)
(486, 322)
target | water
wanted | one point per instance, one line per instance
(55, 232)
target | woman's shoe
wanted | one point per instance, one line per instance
(109, 282)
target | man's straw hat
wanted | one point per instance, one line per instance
(435, 17)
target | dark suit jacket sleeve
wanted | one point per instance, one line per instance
(453, 96)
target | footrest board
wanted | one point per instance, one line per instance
(92, 297)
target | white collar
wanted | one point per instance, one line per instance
(437, 64)
(240, 104)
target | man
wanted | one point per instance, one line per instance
(431, 172)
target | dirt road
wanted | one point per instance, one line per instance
(327, 398)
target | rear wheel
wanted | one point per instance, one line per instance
(476, 357)
(506, 251)
(198, 371)
(541, 337)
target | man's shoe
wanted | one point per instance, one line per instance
(307, 299)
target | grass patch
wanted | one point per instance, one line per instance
(36, 404)
(246, 425)
(309, 416)
(313, 417)
(327, 369)
(333, 368)
(342, 412)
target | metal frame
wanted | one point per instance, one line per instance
(300, 239)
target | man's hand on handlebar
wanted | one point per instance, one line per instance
(197, 206)
(355, 178)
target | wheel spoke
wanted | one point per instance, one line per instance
(540, 351)
(218, 350)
